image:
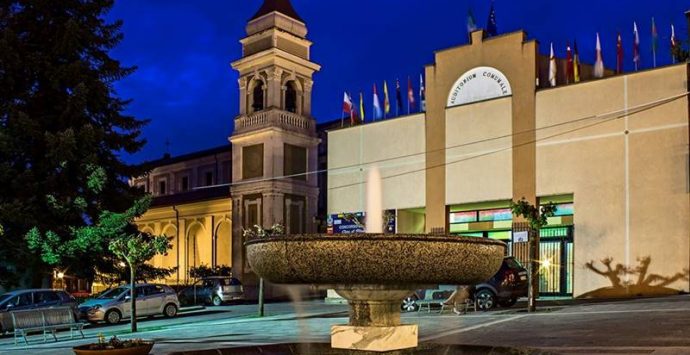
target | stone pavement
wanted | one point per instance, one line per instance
(642, 326)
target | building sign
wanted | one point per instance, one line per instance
(478, 84)
(348, 223)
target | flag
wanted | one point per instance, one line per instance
(422, 94)
(569, 72)
(655, 42)
(619, 55)
(491, 28)
(398, 98)
(599, 63)
(361, 107)
(471, 23)
(347, 103)
(674, 44)
(576, 63)
(378, 112)
(386, 101)
(553, 71)
(636, 46)
(410, 96)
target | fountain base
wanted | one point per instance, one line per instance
(374, 319)
(379, 339)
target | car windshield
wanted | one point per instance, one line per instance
(513, 264)
(113, 293)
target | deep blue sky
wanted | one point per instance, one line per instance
(183, 49)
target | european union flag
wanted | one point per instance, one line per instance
(491, 28)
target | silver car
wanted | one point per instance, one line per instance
(113, 305)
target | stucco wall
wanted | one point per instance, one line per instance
(630, 190)
(479, 166)
(352, 150)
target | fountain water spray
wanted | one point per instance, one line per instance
(374, 202)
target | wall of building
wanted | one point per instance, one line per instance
(628, 175)
(352, 151)
(478, 166)
(204, 236)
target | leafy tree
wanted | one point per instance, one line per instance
(145, 273)
(537, 218)
(136, 249)
(62, 127)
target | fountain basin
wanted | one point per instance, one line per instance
(374, 272)
(376, 259)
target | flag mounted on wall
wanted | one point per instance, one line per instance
(361, 107)
(471, 24)
(398, 98)
(422, 94)
(410, 96)
(619, 55)
(553, 71)
(576, 63)
(347, 108)
(636, 46)
(491, 27)
(386, 100)
(655, 42)
(599, 63)
(378, 112)
(569, 70)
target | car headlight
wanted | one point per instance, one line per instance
(95, 308)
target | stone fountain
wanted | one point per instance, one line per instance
(374, 272)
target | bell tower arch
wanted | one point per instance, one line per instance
(274, 141)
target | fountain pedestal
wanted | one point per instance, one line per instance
(374, 319)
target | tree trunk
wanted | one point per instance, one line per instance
(133, 299)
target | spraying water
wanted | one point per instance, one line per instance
(374, 202)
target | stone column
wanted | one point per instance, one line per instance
(242, 82)
(306, 98)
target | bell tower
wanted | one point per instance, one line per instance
(274, 143)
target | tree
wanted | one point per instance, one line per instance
(136, 249)
(114, 234)
(536, 219)
(61, 125)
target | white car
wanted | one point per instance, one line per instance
(113, 305)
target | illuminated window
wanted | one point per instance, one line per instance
(503, 214)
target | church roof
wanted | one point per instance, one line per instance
(282, 6)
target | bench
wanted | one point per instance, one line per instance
(48, 320)
(433, 298)
(469, 303)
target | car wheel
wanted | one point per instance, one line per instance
(485, 299)
(217, 301)
(409, 304)
(507, 303)
(113, 317)
(170, 310)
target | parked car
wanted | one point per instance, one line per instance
(214, 290)
(504, 288)
(113, 305)
(20, 300)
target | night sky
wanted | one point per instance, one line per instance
(185, 85)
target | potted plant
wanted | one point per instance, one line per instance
(115, 346)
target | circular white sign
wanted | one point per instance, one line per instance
(478, 84)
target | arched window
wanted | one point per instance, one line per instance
(290, 97)
(258, 103)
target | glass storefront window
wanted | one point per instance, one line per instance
(463, 217)
(503, 214)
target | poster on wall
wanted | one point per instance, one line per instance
(347, 223)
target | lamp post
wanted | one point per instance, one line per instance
(61, 277)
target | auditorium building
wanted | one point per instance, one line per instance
(611, 153)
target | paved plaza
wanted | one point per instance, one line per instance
(642, 326)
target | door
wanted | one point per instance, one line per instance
(154, 299)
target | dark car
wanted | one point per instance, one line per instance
(20, 300)
(504, 288)
(214, 290)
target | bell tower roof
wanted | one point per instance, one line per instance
(282, 6)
